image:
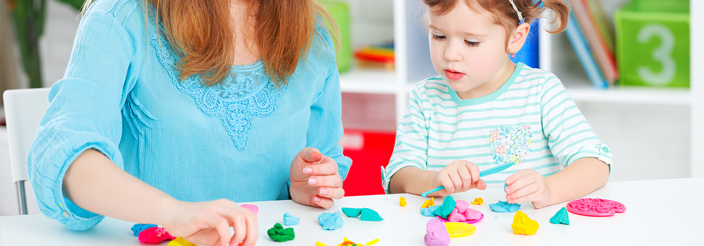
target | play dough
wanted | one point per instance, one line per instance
(290, 220)
(436, 233)
(560, 217)
(279, 234)
(504, 207)
(330, 221)
(524, 225)
(456, 229)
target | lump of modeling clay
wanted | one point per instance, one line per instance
(468, 216)
(179, 241)
(403, 201)
(251, 207)
(330, 221)
(461, 206)
(504, 207)
(367, 214)
(347, 242)
(560, 217)
(137, 228)
(524, 225)
(154, 235)
(430, 211)
(279, 234)
(428, 203)
(290, 220)
(352, 212)
(373, 242)
(436, 233)
(448, 205)
(478, 201)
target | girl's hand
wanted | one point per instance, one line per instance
(459, 176)
(208, 223)
(527, 185)
(315, 180)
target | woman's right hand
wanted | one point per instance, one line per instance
(459, 176)
(208, 223)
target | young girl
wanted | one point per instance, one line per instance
(170, 112)
(484, 110)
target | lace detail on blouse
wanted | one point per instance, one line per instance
(246, 93)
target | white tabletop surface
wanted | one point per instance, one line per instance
(658, 212)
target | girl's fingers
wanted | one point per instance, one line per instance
(520, 183)
(466, 178)
(526, 198)
(331, 192)
(474, 171)
(447, 183)
(517, 175)
(523, 191)
(456, 180)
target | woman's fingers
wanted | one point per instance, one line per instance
(331, 192)
(322, 202)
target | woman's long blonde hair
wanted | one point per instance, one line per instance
(202, 33)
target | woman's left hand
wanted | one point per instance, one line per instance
(315, 180)
(527, 185)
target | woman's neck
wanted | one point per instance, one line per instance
(244, 18)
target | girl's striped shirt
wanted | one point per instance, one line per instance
(531, 120)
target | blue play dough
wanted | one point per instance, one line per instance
(429, 211)
(447, 206)
(138, 228)
(504, 207)
(560, 217)
(290, 220)
(369, 214)
(330, 221)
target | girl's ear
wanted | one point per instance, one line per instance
(518, 38)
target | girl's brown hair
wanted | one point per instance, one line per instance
(202, 33)
(505, 14)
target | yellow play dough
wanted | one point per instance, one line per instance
(459, 229)
(403, 202)
(428, 203)
(524, 225)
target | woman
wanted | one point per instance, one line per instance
(172, 111)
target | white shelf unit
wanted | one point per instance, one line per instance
(413, 64)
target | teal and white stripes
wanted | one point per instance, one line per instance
(439, 127)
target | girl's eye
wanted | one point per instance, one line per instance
(470, 43)
(438, 37)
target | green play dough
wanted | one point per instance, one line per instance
(447, 206)
(352, 212)
(369, 214)
(279, 234)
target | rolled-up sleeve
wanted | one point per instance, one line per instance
(84, 112)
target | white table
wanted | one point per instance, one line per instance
(658, 212)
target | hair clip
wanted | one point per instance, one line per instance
(520, 16)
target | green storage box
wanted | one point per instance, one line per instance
(652, 43)
(341, 13)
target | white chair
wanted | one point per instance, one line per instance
(24, 109)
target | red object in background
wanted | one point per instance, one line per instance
(369, 151)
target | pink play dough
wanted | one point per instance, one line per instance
(437, 234)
